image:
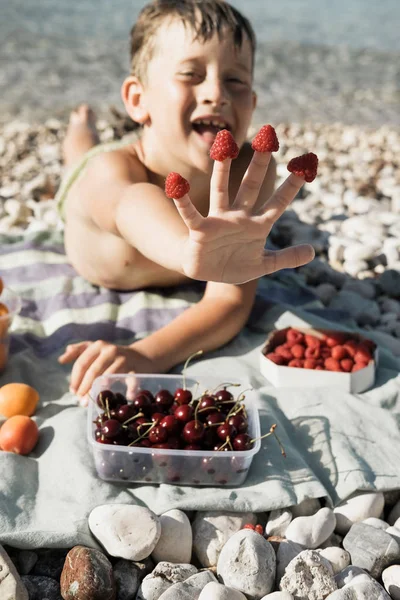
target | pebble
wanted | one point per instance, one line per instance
(125, 530)
(305, 508)
(211, 530)
(189, 589)
(87, 575)
(175, 543)
(163, 577)
(391, 581)
(247, 563)
(363, 590)
(128, 575)
(11, 585)
(370, 548)
(339, 558)
(312, 531)
(217, 591)
(278, 522)
(357, 508)
(309, 576)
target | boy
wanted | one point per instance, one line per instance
(192, 75)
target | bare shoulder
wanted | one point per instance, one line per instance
(239, 167)
(119, 165)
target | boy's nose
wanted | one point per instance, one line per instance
(213, 92)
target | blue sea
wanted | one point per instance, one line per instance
(318, 60)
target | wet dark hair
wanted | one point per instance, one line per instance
(204, 17)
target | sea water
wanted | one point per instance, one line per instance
(317, 60)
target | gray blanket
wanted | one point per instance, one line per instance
(336, 443)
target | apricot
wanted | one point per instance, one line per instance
(18, 399)
(19, 434)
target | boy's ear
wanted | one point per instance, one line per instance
(132, 96)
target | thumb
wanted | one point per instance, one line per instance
(72, 351)
(288, 258)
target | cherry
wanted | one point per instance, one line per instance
(100, 419)
(207, 405)
(142, 403)
(215, 418)
(224, 431)
(226, 398)
(158, 435)
(120, 399)
(164, 398)
(193, 431)
(184, 413)
(210, 438)
(171, 424)
(148, 394)
(242, 442)
(111, 428)
(157, 417)
(193, 447)
(106, 399)
(182, 396)
(125, 412)
(239, 422)
(162, 446)
(174, 442)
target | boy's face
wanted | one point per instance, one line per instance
(193, 90)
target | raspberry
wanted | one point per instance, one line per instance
(298, 350)
(259, 529)
(305, 166)
(296, 362)
(351, 347)
(248, 526)
(347, 364)
(310, 363)
(319, 368)
(339, 352)
(284, 352)
(276, 358)
(358, 366)
(266, 140)
(311, 341)
(326, 352)
(292, 335)
(313, 352)
(362, 354)
(335, 339)
(331, 364)
(224, 146)
(176, 186)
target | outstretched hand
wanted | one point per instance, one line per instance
(228, 245)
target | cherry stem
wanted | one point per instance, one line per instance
(271, 432)
(225, 385)
(143, 434)
(186, 365)
(108, 409)
(140, 414)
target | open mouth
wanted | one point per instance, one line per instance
(208, 128)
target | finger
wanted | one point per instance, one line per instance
(72, 351)
(252, 181)
(189, 213)
(281, 199)
(288, 258)
(82, 364)
(219, 186)
(98, 367)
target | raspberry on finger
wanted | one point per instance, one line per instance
(266, 140)
(224, 146)
(305, 166)
(176, 186)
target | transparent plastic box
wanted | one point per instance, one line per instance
(180, 467)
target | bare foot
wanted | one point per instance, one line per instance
(81, 134)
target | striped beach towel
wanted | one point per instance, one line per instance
(45, 498)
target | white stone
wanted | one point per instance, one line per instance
(247, 563)
(212, 529)
(338, 557)
(391, 581)
(312, 531)
(163, 576)
(175, 543)
(360, 590)
(309, 576)
(125, 530)
(357, 508)
(278, 596)
(344, 577)
(217, 591)
(394, 513)
(11, 586)
(375, 522)
(278, 522)
(394, 532)
(305, 508)
(356, 252)
(353, 267)
(190, 588)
